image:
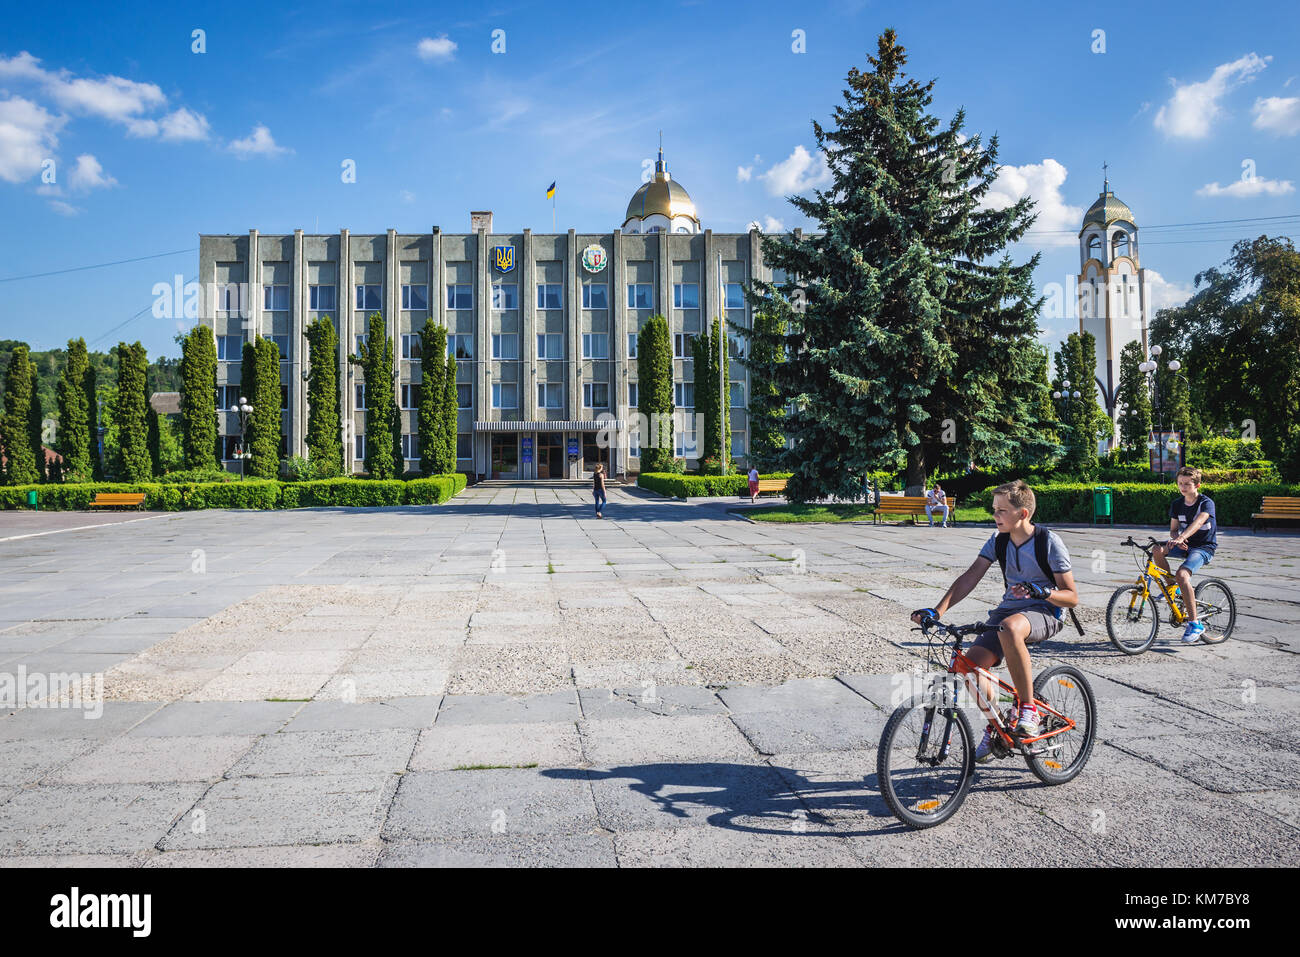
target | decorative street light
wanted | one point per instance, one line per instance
(1150, 368)
(243, 410)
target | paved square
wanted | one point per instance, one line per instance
(505, 680)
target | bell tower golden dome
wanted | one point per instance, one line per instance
(661, 205)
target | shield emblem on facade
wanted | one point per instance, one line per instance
(594, 258)
(503, 257)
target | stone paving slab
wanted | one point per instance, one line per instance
(337, 715)
(811, 729)
(488, 709)
(479, 804)
(293, 855)
(328, 752)
(92, 819)
(662, 738)
(505, 850)
(142, 760)
(448, 746)
(189, 718)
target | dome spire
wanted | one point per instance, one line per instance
(1105, 186)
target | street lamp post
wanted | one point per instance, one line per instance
(243, 409)
(1150, 367)
(1064, 394)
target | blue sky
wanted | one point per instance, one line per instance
(154, 144)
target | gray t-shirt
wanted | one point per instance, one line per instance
(1022, 567)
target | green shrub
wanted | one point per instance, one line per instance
(1223, 453)
(699, 486)
(1143, 504)
(250, 493)
(435, 489)
(195, 476)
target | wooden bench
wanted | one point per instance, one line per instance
(766, 485)
(117, 499)
(913, 505)
(1276, 507)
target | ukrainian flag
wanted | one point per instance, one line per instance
(550, 191)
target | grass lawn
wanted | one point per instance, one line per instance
(846, 512)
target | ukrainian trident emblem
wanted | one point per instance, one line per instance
(503, 257)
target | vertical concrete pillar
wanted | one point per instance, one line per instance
(298, 349)
(527, 272)
(347, 398)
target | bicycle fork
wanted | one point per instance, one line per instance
(949, 718)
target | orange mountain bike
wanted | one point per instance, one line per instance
(1133, 618)
(926, 759)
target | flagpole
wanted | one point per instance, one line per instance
(552, 213)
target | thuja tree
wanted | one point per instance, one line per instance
(130, 409)
(76, 443)
(199, 399)
(1133, 399)
(15, 423)
(92, 417)
(1083, 420)
(763, 352)
(35, 419)
(435, 457)
(259, 378)
(710, 373)
(324, 416)
(383, 458)
(450, 406)
(654, 373)
(914, 326)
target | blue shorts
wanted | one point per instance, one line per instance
(1193, 561)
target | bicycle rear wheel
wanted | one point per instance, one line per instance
(1132, 620)
(1066, 689)
(925, 762)
(1216, 609)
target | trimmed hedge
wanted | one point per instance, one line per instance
(1144, 504)
(249, 493)
(699, 486)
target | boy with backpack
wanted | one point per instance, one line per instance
(1039, 588)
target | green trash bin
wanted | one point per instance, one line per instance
(1102, 507)
(31, 498)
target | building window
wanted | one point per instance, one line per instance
(505, 395)
(631, 345)
(505, 346)
(360, 339)
(548, 296)
(275, 298)
(505, 295)
(633, 395)
(230, 348)
(284, 398)
(685, 445)
(735, 346)
(682, 345)
(360, 446)
(410, 446)
(595, 345)
(550, 395)
(737, 443)
(368, 297)
(640, 295)
(595, 395)
(461, 346)
(229, 447)
(594, 296)
(550, 346)
(464, 395)
(737, 395)
(684, 395)
(732, 296)
(460, 296)
(321, 298)
(634, 444)
(464, 445)
(281, 343)
(686, 295)
(360, 396)
(412, 346)
(415, 297)
(411, 396)
(227, 395)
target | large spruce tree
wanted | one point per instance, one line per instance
(259, 378)
(433, 394)
(76, 444)
(654, 373)
(914, 328)
(199, 399)
(15, 423)
(383, 428)
(324, 415)
(130, 414)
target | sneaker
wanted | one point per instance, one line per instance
(1028, 724)
(984, 750)
(1192, 633)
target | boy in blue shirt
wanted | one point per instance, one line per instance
(1193, 537)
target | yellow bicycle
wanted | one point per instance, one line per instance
(1133, 618)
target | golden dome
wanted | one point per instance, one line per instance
(662, 195)
(1108, 209)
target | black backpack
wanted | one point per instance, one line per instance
(1040, 555)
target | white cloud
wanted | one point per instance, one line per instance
(258, 143)
(1162, 294)
(63, 209)
(407, 196)
(28, 136)
(1247, 188)
(772, 225)
(88, 174)
(1194, 106)
(744, 174)
(797, 173)
(184, 124)
(1278, 114)
(437, 49)
(1058, 222)
(24, 66)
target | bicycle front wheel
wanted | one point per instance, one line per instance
(1132, 620)
(925, 762)
(1059, 758)
(1216, 609)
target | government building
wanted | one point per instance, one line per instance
(543, 327)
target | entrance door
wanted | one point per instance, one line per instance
(550, 455)
(505, 455)
(593, 452)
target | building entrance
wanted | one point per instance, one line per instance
(505, 455)
(550, 455)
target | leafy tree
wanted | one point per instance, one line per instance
(324, 410)
(915, 329)
(383, 428)
(450, 406)
(1133, 398)
(434, 454)
(77, 442)
(259, 377)
(198, 373)
(130, 413)
(709, 374)
(654, 372)
(15, 423)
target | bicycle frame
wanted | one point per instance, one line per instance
(1153, 573)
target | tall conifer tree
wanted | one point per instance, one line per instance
(199, 399)
(324, 416)
(76, 443)
(15, 422)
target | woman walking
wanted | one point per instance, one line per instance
(598, 488)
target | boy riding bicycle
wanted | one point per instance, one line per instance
(1032, 606)
(1193, 537)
